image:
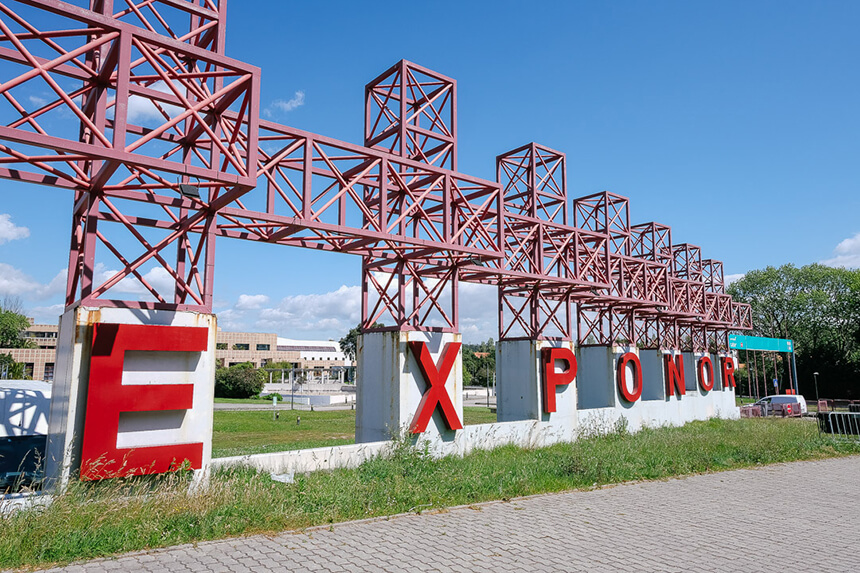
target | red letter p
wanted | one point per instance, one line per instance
(551, 378)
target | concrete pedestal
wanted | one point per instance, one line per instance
(654, 374)
(390, 384)
(596, 381)
(693, 380)
(137, 430)
(691, 372)
(519, 384)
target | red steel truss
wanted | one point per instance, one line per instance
(133, 106)
(548, 264)
(411, 111)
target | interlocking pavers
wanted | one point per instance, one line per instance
(739, 521)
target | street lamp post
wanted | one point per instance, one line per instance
(815, 375)
(487, 380)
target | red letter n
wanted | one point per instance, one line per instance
(728, 372)
(436, 394)
(551, 378)
(107, 397)
(674, 375)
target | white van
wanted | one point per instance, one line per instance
(768, 401)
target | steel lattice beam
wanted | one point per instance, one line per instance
(133, 106)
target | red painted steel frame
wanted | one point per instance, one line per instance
(134, 107)
(548, 264)
(411, 111)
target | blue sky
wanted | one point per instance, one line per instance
(737, 123)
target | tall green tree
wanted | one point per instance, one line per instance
(349, 343)
(479, 363)
(239, 381)
(12, 324)
(818, 307)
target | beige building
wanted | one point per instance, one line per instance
(260, 349)
(38, 361)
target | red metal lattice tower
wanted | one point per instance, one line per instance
(548, 264)
(411, 111)
(637, 280)
(147, 104)
(134, 108)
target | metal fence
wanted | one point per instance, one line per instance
(841, 424)
(764, 410)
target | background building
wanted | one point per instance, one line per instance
(260, 349)
(39, 360)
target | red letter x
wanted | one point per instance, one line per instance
(435, 393)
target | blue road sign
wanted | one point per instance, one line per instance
(741, 342)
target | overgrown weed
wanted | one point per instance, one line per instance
(97, 519)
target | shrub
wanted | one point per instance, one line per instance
(10, 369)
(239, 381)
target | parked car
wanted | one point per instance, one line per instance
(769, 401)
(21, 461)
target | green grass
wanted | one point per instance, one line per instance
(92, 520)
(478, 415)
(254, 432)
(257, 401)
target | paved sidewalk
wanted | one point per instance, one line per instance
(794, 517)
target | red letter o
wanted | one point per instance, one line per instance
(709, 385)
(621, 376)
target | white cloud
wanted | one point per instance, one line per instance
(323, 315)
(330, 315)
(847, 253)
(141, 109)
(285, 106)
(9, 231)
(729, 279)
(335, 312)
(37, 101)
(157, 277)
(252, 301)
(479, 312)
(232, 320)
(47, 314)
(15, 282)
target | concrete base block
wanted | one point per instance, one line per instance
(653, 374)
(519, 386)
(136, 429)
(24, 406)
(597, 376)
(596, 387)
(390, 384)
